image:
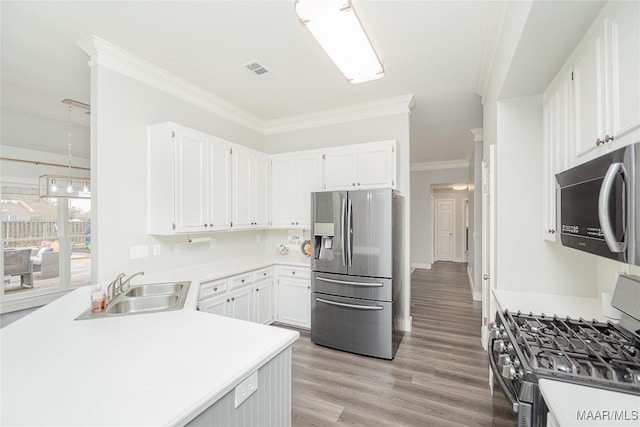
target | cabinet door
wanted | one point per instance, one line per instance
(191, 181)
(375, 166)
(339, 169)
(283, 181)
(624, 30)
(263, 302)
(242, 186)
(294, 302)
(241, 307)
(260, 191)
(219, 184)
(308, 180)
(218, 306)
(589, 98)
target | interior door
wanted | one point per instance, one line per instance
(369, 232)
(445, 232)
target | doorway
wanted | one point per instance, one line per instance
(449, 220)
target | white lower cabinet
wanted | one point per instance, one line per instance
(294, 296)
(263, 302)
(240, 303)
(246, 296)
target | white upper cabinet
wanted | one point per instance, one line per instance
(370, 165)
(557, 144)
(188, 181)
(293, 178)
(250, 188)
(607, 83)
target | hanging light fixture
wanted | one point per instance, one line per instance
(49, 183)
(336, 27)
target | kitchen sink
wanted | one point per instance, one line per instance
(155, 289)
(146, 298)
(136, 305)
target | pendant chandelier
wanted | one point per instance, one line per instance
(66, 186)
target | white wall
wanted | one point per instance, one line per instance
(121, 110)
(525, 261)
(458, 198)
(422, 233)
(475, 223)
(370, 130)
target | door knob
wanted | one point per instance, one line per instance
(485, 277)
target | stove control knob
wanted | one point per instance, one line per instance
(516, 363)
(510, 348)
(503, 360)
(498, 346)
(509, 372)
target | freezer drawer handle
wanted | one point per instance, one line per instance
(359, 307)
(371, 285)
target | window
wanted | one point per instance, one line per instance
(46, 242)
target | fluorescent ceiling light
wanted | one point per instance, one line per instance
(335, 25)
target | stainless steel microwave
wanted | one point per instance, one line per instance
(597, 205)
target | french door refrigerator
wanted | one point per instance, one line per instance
(355, 287)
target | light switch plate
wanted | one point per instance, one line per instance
(246, 388)
(141, 251)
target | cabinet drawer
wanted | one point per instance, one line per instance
(240, 280)
(262, 274)
(211, 288)
(295, 272)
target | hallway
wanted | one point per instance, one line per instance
(438, 378)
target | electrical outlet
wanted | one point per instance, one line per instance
(258, 238)
(177, 248)
(141, 251)
(212, 243)
(246, 388)
(156, 249)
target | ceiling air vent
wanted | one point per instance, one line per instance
(259, 70)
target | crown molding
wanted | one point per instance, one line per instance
(477, 134)
(108, 55)
(432, 166)
(494, 27)
(379, 108)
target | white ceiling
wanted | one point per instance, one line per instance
(432, 49)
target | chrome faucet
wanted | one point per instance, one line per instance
(114, 287)
(127, 283)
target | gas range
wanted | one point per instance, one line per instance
(525, 348)
(579, 351)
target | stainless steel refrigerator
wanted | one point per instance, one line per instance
(357, 254)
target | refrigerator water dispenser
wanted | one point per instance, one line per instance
(323, 236)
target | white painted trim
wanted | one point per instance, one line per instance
(31, 301)
(406, 325)
(412, 270)
(431, 166)
(119, 60)
(458, 260)
(379, 108)
(494, 28)
(415, 265)
(477, 134)
(469, 276)
(477, 296)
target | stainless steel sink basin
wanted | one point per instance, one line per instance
(147, 298)
(136, 305)
(155, 289)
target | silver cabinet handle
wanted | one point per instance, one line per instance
(603, 207)
(599, 142)
(359, 307)
(342, 282)
(608, 138)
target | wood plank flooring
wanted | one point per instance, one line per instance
(438, 378)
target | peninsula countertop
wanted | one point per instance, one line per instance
(148, 369)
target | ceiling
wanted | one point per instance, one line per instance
(432, 49)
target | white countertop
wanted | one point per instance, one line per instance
(574, 405)
(551, 304)
(148, 369)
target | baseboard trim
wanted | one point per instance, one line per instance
(470, 277)
(406, 326)
(420, 265)
(477, 296)
(412, 270)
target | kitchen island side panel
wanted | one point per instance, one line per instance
(269, 406)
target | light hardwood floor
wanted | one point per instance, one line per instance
(439, 376)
